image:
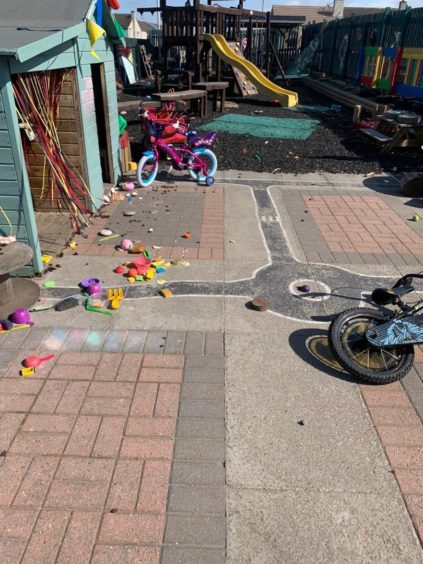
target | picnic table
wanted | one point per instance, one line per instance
(218, 89)
(15, 292)
(396, 130)
(199, 96)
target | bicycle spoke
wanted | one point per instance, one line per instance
(392, 355)
(359, 354)
(383, 358)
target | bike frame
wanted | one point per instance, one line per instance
(401, 329)
(177, 156)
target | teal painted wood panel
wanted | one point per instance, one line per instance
(9, 187)
(19, 231)
(7, 172)
(1, 105)
(24, 271)
(4, 139)
(14, 215)
(14, 187)
(9, 203)
(3, 123)
(6, 156)
(60, 57)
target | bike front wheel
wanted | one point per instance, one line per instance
(147, 169)
(347, 340)
(210, 160)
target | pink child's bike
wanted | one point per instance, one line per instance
(194, 155)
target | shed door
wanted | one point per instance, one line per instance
(102, 119)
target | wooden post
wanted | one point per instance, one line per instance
(158, 81)
(268, 44)
(188, 76)
(249, 38)
(357, 113)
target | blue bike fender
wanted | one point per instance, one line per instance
(200, 150)
(148, 154)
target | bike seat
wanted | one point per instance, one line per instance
(385, 296)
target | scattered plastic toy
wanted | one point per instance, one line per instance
(35, 361)
(126, 244)
(49, 284)
(115, 297)
(187, 235)
(415, 217)
(304, 288)
(94, 288)
(119, 270)
(21, 316)
(128, 186)
(166, 293)
(106, 232)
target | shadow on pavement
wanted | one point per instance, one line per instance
(312, 346)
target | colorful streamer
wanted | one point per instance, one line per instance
(94, 33)
(37, 98)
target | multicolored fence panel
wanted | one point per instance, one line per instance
(409, 81)
(371, 66)
(388, 69)
(382, 50)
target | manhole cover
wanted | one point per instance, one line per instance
(317, 290)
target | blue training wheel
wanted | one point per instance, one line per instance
(209, 180)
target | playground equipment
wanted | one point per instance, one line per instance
(262, 84)
(185, 28)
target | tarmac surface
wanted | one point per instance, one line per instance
(264, 450)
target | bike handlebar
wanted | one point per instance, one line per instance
(407, 279)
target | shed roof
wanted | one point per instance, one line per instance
(21, 25)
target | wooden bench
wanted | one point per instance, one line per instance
(218, 89)
(377, 135)
(15, 292)
(194, 95)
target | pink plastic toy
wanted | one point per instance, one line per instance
(128, 186)
(21, 316)
(35, 361)
(126, 244)
(94, 288)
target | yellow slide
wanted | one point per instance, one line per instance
(264, 85)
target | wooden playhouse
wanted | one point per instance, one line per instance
(56, 69)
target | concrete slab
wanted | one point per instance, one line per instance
(76, 268)
(176, 313)
(267, 394)
(245, 247)
(270, 527)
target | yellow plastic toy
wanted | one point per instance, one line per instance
(115, 296)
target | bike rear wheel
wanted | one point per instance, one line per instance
(210, 160)
(354, 353)
(147, 169)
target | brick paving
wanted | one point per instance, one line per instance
(170, 213)
(400, 431)
(113, 456)
(352, 229)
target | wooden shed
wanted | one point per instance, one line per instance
(38, 39)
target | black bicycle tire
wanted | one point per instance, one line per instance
(344, 360)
